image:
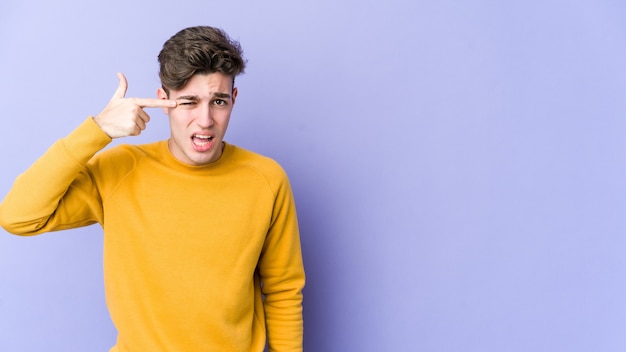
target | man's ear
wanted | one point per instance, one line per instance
(235, 91)
(163, 96)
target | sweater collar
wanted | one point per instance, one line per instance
(169, 160)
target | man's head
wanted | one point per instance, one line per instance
(198, 70)
(198, 50)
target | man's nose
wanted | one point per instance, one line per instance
(205, 118)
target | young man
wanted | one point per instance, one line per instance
(201, 242)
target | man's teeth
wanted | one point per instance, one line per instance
(201, 140)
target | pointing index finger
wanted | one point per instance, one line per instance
(155, 103)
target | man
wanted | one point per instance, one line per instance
(201, 242)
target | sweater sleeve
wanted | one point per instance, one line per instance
(282, 274)
(57, 192)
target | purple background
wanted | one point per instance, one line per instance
(458, 165)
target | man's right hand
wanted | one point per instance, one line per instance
(126, 116)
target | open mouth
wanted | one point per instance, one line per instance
(201, 140)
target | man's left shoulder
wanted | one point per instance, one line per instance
(262, 163)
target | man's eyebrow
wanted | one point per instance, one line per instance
(195, 97)
(187, 97)
(221, 95)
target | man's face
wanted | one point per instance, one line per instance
(199, 121)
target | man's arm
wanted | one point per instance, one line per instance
(33, 205)
(57, 192)
(282, 274)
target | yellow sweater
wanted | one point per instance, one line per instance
(195, 258)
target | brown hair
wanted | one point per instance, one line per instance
(198, 50)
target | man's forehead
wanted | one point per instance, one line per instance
(206, 85)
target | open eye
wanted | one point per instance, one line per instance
(220, 102)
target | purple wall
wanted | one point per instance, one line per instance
(458, 166)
